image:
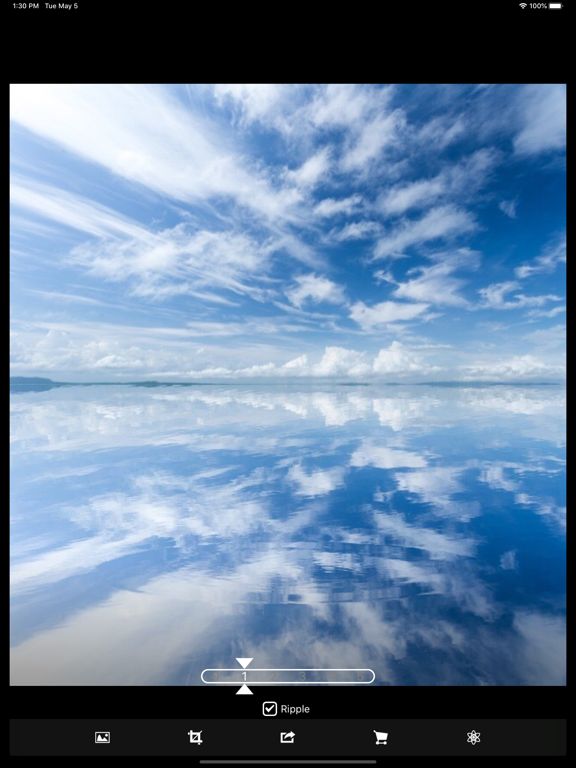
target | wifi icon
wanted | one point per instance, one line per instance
(523, 5)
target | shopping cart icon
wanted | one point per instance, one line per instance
(381, 738)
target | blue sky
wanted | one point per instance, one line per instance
(382, 233)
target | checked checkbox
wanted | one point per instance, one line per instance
(269, 709)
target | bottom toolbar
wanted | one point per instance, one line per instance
(207, 740)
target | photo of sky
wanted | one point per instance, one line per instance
(270, 232)
(288, 383)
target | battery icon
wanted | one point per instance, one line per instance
(555, 6)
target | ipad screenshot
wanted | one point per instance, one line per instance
(287, 398)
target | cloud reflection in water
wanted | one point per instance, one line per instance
(418, 531)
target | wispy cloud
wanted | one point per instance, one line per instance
(553, 254)
(517, 368)
(312, 171)
(265, 103)
(318, 482)
(180, 261)
(436, 284)
(145, 135)
(508, 207)
(316, 289)
(453, 183)
(71, 210)
(441, 222)
(379, 132)
(372, 454)
(539, 313)
(495, 297)
(384, 313)
(543, 115)
(330, 207)
(67, 297)
(358, 230)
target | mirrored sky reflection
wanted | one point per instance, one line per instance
(418, 531)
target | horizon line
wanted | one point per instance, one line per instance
(39, 380)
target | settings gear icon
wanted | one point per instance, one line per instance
(473, 737)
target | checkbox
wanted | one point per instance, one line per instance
(269, 709)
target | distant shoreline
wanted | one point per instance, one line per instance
(38, 384)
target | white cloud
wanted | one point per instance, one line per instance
(397, 359)
(330, 207)
(358, 230)
(456, 182)
(419, 193)
(493, 475)
(313, 171)
(436, 486)
(160, 503)
(337, 105)
(384, 276)
(258, 102)
(177, 261)
(145, 135)
(397, 412)
(338, 410)
(372, 455)
(337, 361)
(162, 263)
(171, 353)
(544, 647)
(316, 289)
(359, 114)
(376, 134)
(508, 207)
(441, 222)
(537, 313)
(72, 210)
(440, 546)
(543, 117)
(316, 483)
(528, 401)
(553, 254)
(442, 131)
(297, 364)
(509, 560)
(436, 284)
(384, 313)
(518, 368)
(66, 297)
(151, 351)
(494, 297)
(543, 505)
(213, 298)
(249, 326)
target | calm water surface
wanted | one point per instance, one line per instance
(418, 531)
